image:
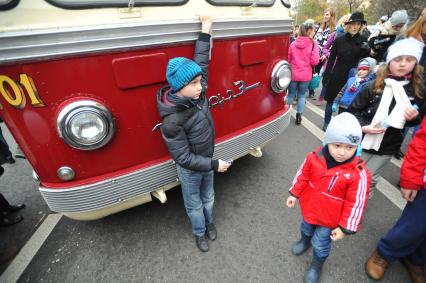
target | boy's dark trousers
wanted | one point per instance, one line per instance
(408, 237)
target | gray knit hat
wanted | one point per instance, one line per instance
(368, 62)
(343, 128)
(399, 17)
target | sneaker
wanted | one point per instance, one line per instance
(211, 232)
(417, 273)
(375, 266)
(202, 243)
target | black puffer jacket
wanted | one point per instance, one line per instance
(187, 127)
(364, 108)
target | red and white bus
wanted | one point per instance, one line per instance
(78, 83)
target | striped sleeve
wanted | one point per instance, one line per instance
(356, 201)
(301, 180)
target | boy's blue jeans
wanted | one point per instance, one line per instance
(320, 239)
(198, 197)
(298, 89)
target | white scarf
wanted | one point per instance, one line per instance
(395, 119)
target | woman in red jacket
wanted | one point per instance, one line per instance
(406, 241)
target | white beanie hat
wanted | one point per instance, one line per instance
(384, 18)
(343, 128)
(399, 17)
(409, 46)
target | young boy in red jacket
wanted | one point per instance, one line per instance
(406, 241)
(332, 186)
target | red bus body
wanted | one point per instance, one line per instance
(135, 163)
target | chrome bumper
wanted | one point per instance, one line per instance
(110, 196)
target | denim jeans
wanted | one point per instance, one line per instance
(298, 89)
(328, 113)
(198, 197)
(323, 91)
(321, 241)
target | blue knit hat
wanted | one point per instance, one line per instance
(181, 71)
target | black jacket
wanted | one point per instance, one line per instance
(187, 127)
(347, 50)
(364, 108)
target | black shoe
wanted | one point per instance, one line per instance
(313, 274)
(301, 246)
(10, 220)
(14, 208)
(211, 232)
(202, 243)
(298, 118)
(10, 159)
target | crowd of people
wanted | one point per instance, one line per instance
(376, 82)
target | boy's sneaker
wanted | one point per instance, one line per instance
(211, 232)
(301, 246)
(417, 273)
(375, 266)
(202, 243)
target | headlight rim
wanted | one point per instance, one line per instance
(274, 78)
(77, 107)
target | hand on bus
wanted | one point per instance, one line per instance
(223, 166)
(206, 23)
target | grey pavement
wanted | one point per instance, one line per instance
(153, 242)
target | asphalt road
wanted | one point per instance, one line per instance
(153, 242)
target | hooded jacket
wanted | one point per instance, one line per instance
(334, 197)
(303, 54)
(413, 169)
(187, 127)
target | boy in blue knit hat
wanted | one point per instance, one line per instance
(332, 186)
(188, 131)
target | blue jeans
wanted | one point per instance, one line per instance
(323, 91)
(321, 241)
(298, 89)
(198, 197)
(328, 113)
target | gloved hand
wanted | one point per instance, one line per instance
(334, 107)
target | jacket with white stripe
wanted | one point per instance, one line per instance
(334, 197)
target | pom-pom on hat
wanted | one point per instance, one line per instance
(409, 46)
(181, 71)
(343, 128)
(367, 63)
(399, 17)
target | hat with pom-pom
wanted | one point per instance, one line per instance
(181, 71)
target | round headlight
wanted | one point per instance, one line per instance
(286, 3)
(85, 125)
(281, 76)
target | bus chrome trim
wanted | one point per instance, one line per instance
(56, 43)
(116, 191)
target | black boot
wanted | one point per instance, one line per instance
(314, 272)
(202, 243)
(298, 118)
(301, 246)
(211, 232)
